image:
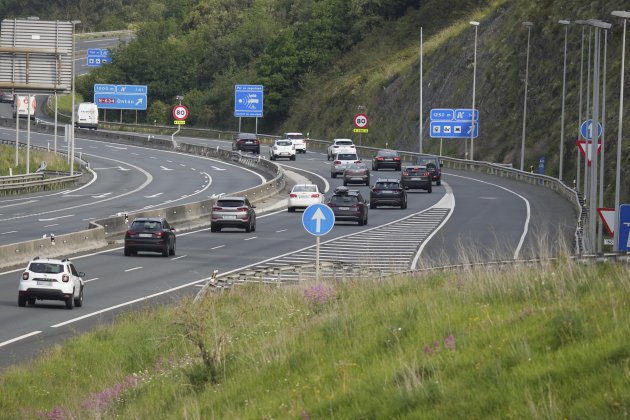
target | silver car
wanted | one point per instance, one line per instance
(342, 161)
(233, 212)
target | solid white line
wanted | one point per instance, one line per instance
(13, 340)
(327, 185)
(87, 281)
(132, 269)
(249, 239)
(6, 233)
(54, 224)
(281, 230)
(177, 258)
(217, 247)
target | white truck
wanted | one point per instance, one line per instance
(87, 116)
(21, 106)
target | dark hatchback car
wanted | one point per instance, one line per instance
(348, 206)
(434, 166)
(152, 234)
(246, 142)
(388, 192)
(416, 177)
(356, 173)
(233, 212)
(386, 158)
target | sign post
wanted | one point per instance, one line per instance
(360, 123)
(248, 102)
(454, 123)
(318, 220)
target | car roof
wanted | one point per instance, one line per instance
(293, 134)
(148, 219)
(387, 180)
(50, 260)
(231, 197)
(387, 151)
(247, 136)
(336, 140)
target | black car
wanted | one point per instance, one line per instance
(152, 234)
(246, 142)
(356, 173)
(388, 192)
(233, 212)
(348, 205)
(434, 165)
(416, 177)
(386, 158)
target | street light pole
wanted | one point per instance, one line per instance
(600, 227)
(74, 23)
(421, 122)
(528, 25)
(625, 16)
(579, 156)
(472, 116)
(564, 79)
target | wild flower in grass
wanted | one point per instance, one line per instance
(449, 342)
(100, 400)
(57, 413)
(319, 294)
(436, 345)
(428, 350)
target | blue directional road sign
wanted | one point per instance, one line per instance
(586, 129)
(442, 114)
(97, 57)
(465, 114)
(624, 227)
(453, 129)
(318, 219)
(248, 100)
(121, 96)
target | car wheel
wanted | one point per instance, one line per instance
(403, 205)
(293, 157)
(438, 182)
(361, 221)
(333, 175)
(21, 301)
(172, 251)
(345, 183)
(70, 301)
(254, 227)
(166, 250)
(78, 302)
(248, 228)
(272, 158)
(127, 252)
(430, 190)
(31, 301)
(291, 209)
(372, 205)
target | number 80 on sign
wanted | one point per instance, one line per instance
(360, 121)
(180, 112)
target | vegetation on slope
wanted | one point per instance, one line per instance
(544, 342)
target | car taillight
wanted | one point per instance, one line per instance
(354, 206)
(379, 158)
(396, 158)
(337, 162)
(427, 174)
(398, 190)
(25, 276)
(292, 195)
(130, 233)
(242, 209)
(405, 173)
(357, 161)
(215, 208)
(65, 278)
(159, 234)
(314, 195)
(331, 205)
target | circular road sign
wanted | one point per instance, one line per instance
(318, 219)
(180, 112)
(360, 121)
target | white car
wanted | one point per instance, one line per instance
(342, 161)
(340, 146)
(49, 279)
(298, 141)
(282, 149)
(303, 195)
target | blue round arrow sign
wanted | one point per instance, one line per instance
(318, 219)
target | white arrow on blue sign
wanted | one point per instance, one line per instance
(624, 227)
(586, 129)
(318, 219)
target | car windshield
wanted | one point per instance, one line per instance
(346, 156)
(386, 185)
(47, 268)
(344, 143)
(357, 166)
(284, 143)
(146, 225)
(427, 161)
(387, 153)
(344, 199)
(230, 203)
(294, 136)
(305, 188)
(416, 168)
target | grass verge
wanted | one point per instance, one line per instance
(54, 162)
(546, 342)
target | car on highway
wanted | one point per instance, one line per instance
(246, 142)
(7, 97)
(342, 161)
(282, 149)
(388, 192)
(303, 195)
(348, 206)
(386, 158)
(298, 141)
(151, 234)
(356, 173)
(434, 165)
(416, 177)
(233, 212)
(87, 116)
(340, 146)
(51, 279)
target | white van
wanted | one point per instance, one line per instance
(22, 105)
(87, 116)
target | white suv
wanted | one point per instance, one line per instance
(48, 279)
(282, 149)
(298, 141)
(340, 146)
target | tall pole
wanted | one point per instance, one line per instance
(421, 122)
(564, 80)
(74, 22)
(588, 105)
(28, 134)
(529, 27)
(579, 156)
(600, 204)
(625, 16)
(472, 117)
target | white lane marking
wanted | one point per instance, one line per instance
(327, 185)
(51, 225)
(177, 258)
(132, 269)
(217, 247)
(87, 281)
(153, 196)
(6, 233)
(217, 168)
(164, 168)
(101, 195)
(281, 230)
(13, 340)
(249, 239)
(487, 198)
(527, 207)
(50, 219)
(19, 204)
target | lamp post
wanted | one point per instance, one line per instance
(579, 157)
(625, 16)
(564, 80)
(528, 25)
(74, 23)
(472, 117)
(420, 116)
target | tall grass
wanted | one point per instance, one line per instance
(54, 162)
(549, 341)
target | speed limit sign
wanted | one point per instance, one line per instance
(180, 112)
(360, 121)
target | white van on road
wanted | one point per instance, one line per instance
(87, 116)
(21, 106)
